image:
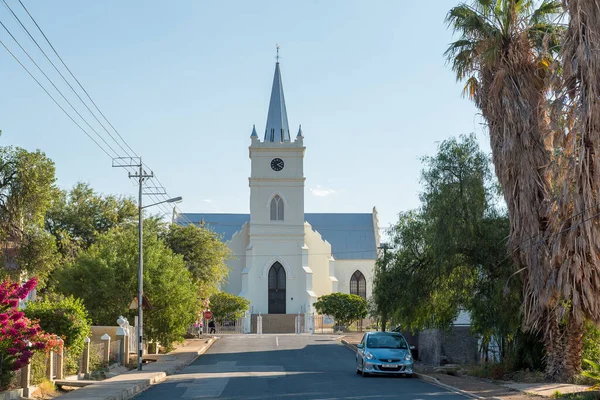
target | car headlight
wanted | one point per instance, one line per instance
(369, 356)
(408, 357)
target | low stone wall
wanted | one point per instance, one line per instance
(98, 331)
(276, 323)
(456, 346)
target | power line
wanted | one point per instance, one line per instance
(116, 154)
(53, 99)
(75, 78)
(62, 76)
(55, 87)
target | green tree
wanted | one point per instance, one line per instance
(205, 255)
(225, 306)
(78, 216)
(344, 308)
(105, 277)
(449, 255)
(27, 186)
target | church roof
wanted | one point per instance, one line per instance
(277, 128)
(352, 236)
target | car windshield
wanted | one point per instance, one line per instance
(386, 342)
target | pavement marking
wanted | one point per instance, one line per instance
(209, 381)
(277, 340)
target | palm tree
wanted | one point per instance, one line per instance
(505, 53)
(576, 231)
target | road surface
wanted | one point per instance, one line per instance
(294, 367)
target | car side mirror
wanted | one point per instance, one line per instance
(412, 347)
(359, 346)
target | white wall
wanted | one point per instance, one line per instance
(237, 245)
(319, 254)
(345, 268)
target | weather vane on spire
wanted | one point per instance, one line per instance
(277, 47)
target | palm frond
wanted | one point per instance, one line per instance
(547, 9)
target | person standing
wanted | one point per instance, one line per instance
(211, 325)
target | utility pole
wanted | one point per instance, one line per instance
(384, 262)
(124, 162)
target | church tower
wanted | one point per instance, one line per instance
(276, 228)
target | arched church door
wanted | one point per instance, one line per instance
(277, 289)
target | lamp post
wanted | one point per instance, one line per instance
(141, 270)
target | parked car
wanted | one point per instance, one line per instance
(384, 353)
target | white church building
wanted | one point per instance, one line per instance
(286, 258)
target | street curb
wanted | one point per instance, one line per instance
(203, 349)
(431, 379)
(158, 377)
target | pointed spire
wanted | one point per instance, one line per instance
(254, 134)
(300, 134)
(277, 128)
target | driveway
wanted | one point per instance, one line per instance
(285, 367)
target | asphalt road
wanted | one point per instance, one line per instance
(290, 367)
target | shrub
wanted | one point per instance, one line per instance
(226, 306)
(591, 344)
(344, 308)
(66, 317)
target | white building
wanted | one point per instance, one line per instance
(286, 258)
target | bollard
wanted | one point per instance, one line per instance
(26, 380)
(86, 358)
(259, 324)
(50, 366)
(106, 353)
(59, 362)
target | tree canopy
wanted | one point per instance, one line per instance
(79, 215)
(225, 306)
(27, 186)
(449, 255)
(204, 253)
(105, 277)
(344, 308)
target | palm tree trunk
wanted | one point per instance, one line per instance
(513, 101)
(576, 233)
(554, 347)
(574, 348)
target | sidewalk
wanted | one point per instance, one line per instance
(481, 389)
(129, 384)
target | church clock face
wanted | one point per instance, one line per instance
(277, 164)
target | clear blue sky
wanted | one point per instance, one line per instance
(184, 81)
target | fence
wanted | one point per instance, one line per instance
(327, 324)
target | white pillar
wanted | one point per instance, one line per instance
(106, 339)
(259, 324)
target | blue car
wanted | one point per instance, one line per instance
(384, 353)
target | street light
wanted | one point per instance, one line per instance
(141, 271)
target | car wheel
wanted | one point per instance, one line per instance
(357, 371)
(364, 373)
(409, 375)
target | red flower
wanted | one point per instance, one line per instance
(18, 315)
(19, 324)
(3, 317)
(12, 351)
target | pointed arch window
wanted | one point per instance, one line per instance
(277, 209)
(358, 285)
